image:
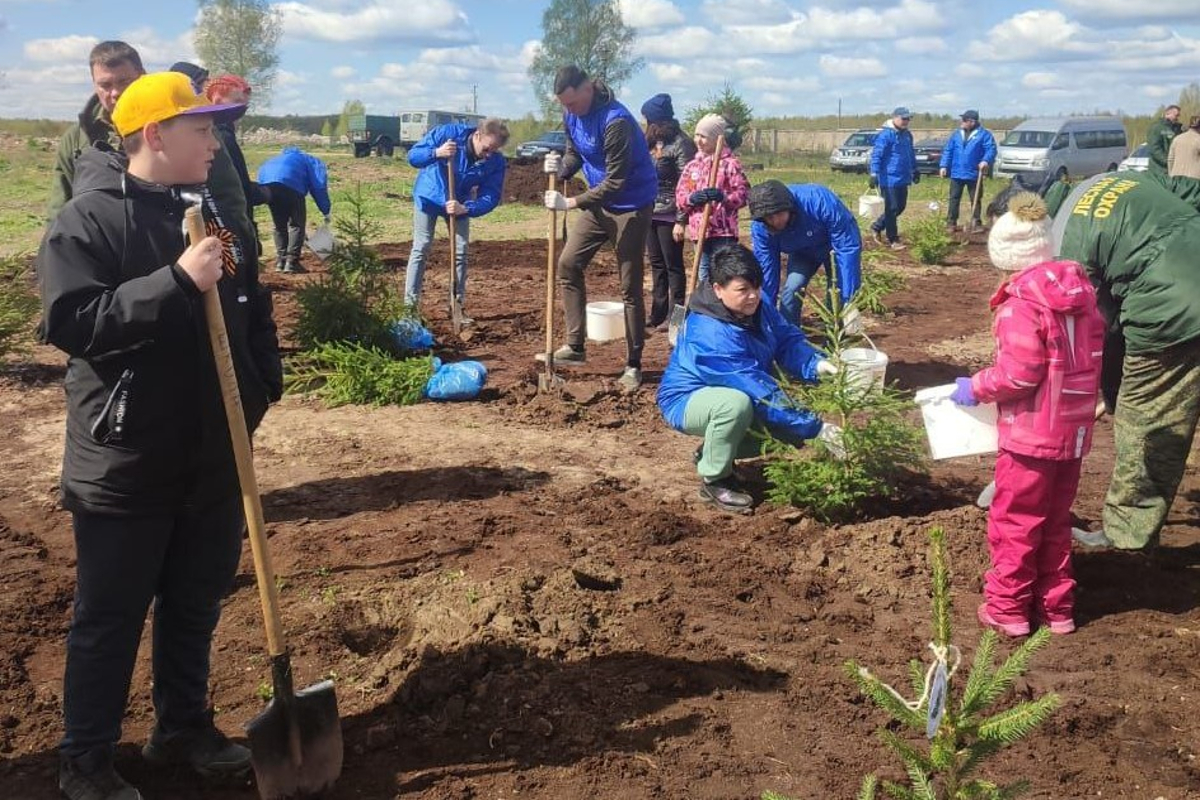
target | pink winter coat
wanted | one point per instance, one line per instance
(1045, 380)
(730, 179)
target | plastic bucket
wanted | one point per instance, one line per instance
(955, 430)
(320, 242)
(605, 321)
(865, 368)
(870, 205)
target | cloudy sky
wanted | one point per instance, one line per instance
(783, 56)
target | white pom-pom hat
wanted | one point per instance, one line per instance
(1022, 236)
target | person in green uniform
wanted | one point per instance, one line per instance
(1159, 137)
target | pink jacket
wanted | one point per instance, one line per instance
(1049, 337)
(730, 179)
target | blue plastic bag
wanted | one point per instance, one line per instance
(462, 380)
(411, 335)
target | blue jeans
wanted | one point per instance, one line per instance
(710, 245)
(184, 563)
(799, 273)
(895, 199)
(414, 275)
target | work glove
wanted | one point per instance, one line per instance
(873, 182)
(942, 172)
(826, 367)
(963, 394)
(831, 436)
(552, 163)
(852, 322)
(555, 201)
(702, 196)
(984, 167)
(916, 178)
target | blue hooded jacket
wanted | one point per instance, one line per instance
(717, 349)
(893, 161)
(301, 173)
(963, 153)
(429, 191)
(820, 223)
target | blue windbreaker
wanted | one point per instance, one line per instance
(962, 154)
(300, 172)
(892, 159)
(429, 191)
(714, 349)
(820, 223)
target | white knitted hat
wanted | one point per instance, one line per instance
(1022, 236)
(711, 126)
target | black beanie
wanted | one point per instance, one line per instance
(768, 198)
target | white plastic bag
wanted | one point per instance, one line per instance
(320, 242)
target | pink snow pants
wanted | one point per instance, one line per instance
(1029, 535)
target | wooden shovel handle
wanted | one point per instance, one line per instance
(218, 336)
(551, 269)
(452, 224)
(694, 275)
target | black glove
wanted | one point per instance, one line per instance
(702, 196)
(873, 182)
(916, 178)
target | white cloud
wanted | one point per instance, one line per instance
(55, 92)
(1041, 80)
(922, 45)
(343, 72)
(689, 42)
(947, 99)
(821, 27)
(65, 48)
(968, 69)
(1176, 10)
(650, 13)
(157, 52)
(1160, 91)
(838, 67)
(285, 78)
(767, 83)
(1034, 36)
(763, 12)
(378, 22)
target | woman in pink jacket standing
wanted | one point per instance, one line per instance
(1045, 380)
(692, 192)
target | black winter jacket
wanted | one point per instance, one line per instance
(146, 430)
(669, 164)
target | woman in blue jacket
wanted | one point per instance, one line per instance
(719, 380)
(288, 177)
(474, 155)
(893, 169)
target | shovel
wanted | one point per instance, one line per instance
(679, 313)
(547, 380)
(296, 742)
(456, 312)
(975, 197)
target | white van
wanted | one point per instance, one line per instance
(1074, 147)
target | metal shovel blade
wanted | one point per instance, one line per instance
(675, 323)
(296, 742)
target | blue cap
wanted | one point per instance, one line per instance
(902, 112)
(658, 109)
(971, 114)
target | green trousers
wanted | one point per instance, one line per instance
(1155, 420)
(723, 417)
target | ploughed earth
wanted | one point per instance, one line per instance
(522, 596)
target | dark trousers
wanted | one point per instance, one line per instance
(957, 187)
(668, 282)
(288, 212)
(594, 227)
(895, 199)
(183, 563)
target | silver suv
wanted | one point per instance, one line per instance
(854, 155)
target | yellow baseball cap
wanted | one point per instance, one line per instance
(159, 96)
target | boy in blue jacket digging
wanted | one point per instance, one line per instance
(719, 381)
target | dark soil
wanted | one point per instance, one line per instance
(522, 596)
(524, 182)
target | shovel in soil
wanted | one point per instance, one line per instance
(975, 210)
(679, 313)
(547, 380)
(296, 742)
(456, 312)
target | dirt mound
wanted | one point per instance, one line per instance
(524, 182)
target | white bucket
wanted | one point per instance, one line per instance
(870, 205)
(955, 430)
(605, 321)
(865, 368)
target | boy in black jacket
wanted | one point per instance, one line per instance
(148, 469)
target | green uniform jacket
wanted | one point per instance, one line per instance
(1138, 242)
(95, 126)
(1159, 139)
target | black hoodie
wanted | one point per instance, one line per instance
(146, 428)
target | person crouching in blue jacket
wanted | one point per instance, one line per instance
(289, 177)
(719, 380)
(474, 155)
(805, 222)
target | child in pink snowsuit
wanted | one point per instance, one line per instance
(1045, 380)
(693, 193)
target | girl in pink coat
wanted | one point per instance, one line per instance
(692, 192)
(1044, 381)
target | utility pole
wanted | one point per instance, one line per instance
(839, 113)
(474, 98)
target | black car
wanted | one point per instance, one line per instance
(928, 153)
(548, 142)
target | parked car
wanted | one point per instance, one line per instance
(928, 153)
(854, 155)
(1062, 147)
(1137, 161)
(548, 142)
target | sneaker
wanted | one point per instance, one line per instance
(878, 237)
(293, 268)
(102, 783)
(630, 380)
(898, 246)
(725, 495)
(566, 355)
(1090, 538)
(205, 749)
(1010, 629)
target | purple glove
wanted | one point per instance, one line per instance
(963, 395)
